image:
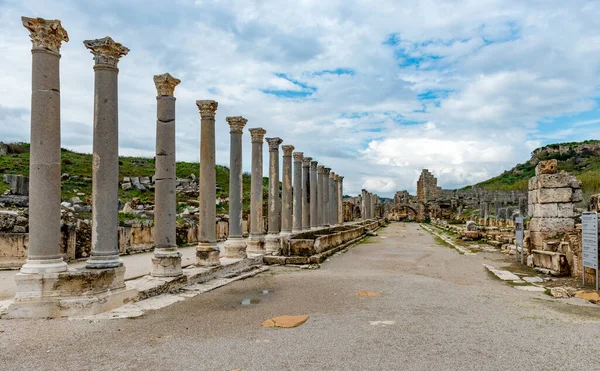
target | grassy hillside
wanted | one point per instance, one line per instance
(79, 167)
(581, 159)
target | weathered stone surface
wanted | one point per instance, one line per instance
(545, 210)
(471, 226)
(565, 210)
(551, 195)
(558, 180)
(546, 167)
(559, 292)
(577, 195)
(552, 225)
(533, 185)
(19, 184)
(285, 321)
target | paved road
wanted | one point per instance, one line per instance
(447, 313)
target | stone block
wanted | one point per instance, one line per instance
(565, 210)
(552, 225)
(545, 210)
(551, 195)
(533, 183)
(546, 167)
(532, 197)
(575, 183)
(558, 180)
(554, 261)
(577, 195)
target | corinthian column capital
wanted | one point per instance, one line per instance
(165, 84)
(207, 108)
(298, 156)
(321, 169)
(313, 165)
(45, 34)
(306, 161)
(236, 123)
(274, 143)
(257, 134)
(287, 150)
(106, 51)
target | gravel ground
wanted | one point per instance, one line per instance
(441, 310)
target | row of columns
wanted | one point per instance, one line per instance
(368, 207)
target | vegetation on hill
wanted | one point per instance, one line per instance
(79, 168)
(581, 159)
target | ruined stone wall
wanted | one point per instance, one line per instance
(427, 188)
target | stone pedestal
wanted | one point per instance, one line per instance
(105, 161)
(286, 194)
(314, 202)
(235, 246)
(166, 261)
(272, 240)
(306, 191)
(298, 156)
(207, 252)
(256, 240)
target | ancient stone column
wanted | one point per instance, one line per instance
(314, 206)
(256, 240)
(298, 156)
(340, 197)
(332, 199)
(320, 195)
(286, 194)
(235, 246)
(497, 209)
(363, 205)
(306, 193)
(273, 240)
(105, 162)
(44, 253)
(326, 207)
(166, 261)
(207, 251)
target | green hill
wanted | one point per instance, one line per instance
(79, 168)
(581, 159)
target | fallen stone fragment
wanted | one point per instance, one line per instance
(589, 296)
(531, 288)
(285, 321)
(367, 293)
(382, 323)
(559, 292)
(533, 279)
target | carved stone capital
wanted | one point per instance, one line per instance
(341, 178)
(336, 177)
(321, 169)
(274, 143)
(332, 175)
(106, 51)
(306, 161)
(298, 156)
(207, 108)
(165, 84)
(257, 134)
(236, 123)
(287, 150)
(326, 170)
(45, 34)
(313, 165)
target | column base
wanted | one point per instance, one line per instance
(104, 262)
(235, 248)
(207, 254)
(273, 244)
(166, 263)
(44, 266)
(255, 245)
(76, 292)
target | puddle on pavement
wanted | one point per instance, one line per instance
(251, 301)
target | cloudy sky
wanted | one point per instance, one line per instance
(376, 90)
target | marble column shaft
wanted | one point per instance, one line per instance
(256, 240)
(43, 254)
(207, 251)
(314, 206)
(332, 199)
(105, 160)
(363, 205)
(166, 260)
(297, 223)
(326, 207)
(286, 193)
(272, 242)
(320, 195)
(340, 195)
(306, 193)
(235, 246)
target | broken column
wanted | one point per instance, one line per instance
(298, 156)
(43, 255)
(256, 240)
(306, 190)
(235, 246)
(105, 162)
(207, 251)
(320, 195)
(340, 198)
(314, 206)
(166, 261)
(326, 210)
(286, 193)
(273, 241)
(363, 205)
